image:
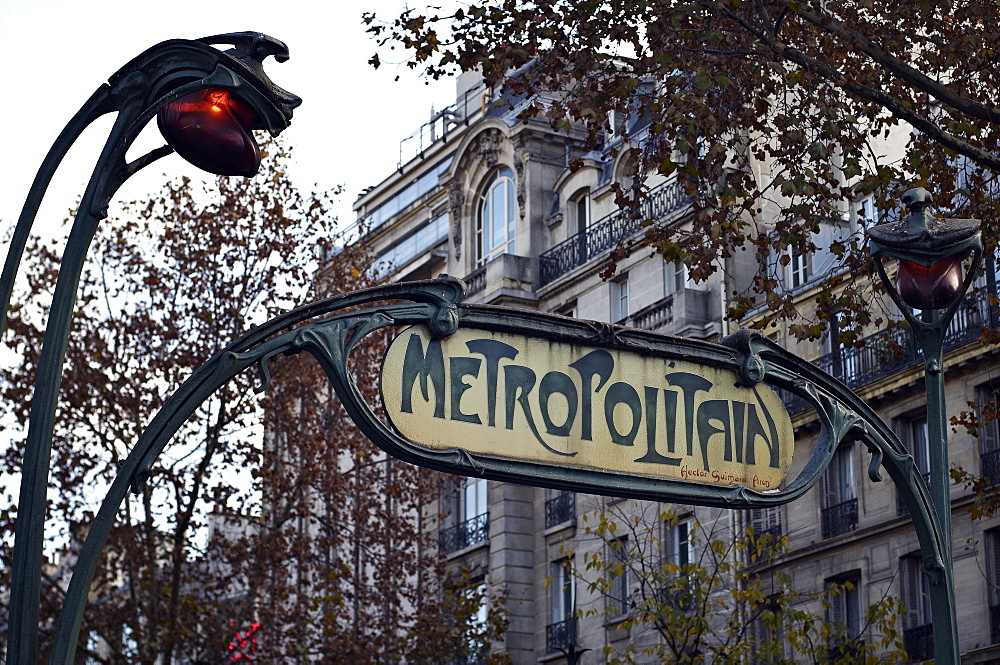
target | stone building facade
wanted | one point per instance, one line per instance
(493, 200)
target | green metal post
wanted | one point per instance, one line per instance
(137, 92)
(922, 240)
(942, 586)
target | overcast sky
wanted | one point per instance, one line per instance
(347, 131)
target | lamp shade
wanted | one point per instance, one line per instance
(936, 287)
(210, 129)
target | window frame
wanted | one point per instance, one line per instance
(501, 178)
(799, 268)
(845, 606)
(838, 489)
(618, 586)
(562, 596)
(915, 592)
(620, 304)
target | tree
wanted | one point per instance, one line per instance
(202, 556)
(773, 114)
(689, 593)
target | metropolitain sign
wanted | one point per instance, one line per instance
(507, 395)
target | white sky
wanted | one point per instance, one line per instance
(347, 131)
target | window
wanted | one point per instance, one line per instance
(677, 543)
(472, 500)
(765, 520)
(466, 522)
(913, 434)
(867, 212)
(840, 503)
(426, 237)
(798, 268)
(677, 551)
(408, 195)
(918, 632)
(619, 299)
(618, 578)
(766, 630)
(562, 589)
(560, 508)
(495, 220)
(993, 578)
(844, 362)
(675, 278)
(989, 434)
(567, 309)
(475, 647)
(560, 634)
(580, 211)
(580, 205)
(845, 603)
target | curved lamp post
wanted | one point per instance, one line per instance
(931, 252)
(207, 103)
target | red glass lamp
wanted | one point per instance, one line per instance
(930, 252)
(211, 129)
(935, 287)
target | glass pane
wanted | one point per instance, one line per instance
(921, 451)
(510, 209)
(499, 232)
(475, 498)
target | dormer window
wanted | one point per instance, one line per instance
(495, 217)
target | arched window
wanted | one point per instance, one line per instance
(495, 218)
(628, 168)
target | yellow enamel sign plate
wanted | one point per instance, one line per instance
(511, 396)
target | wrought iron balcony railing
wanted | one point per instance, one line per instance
(607, 232)
(919, 642)
(840, 519)
(560, 509)
(460, 536)
(891, 351)
(560, 636)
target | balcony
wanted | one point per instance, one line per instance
(919, 642)
(885, 353)
(560, 636)
(460, 536)
(607, 232)
(687, 312)
(508, 279)
(560, 509)
(840, 519)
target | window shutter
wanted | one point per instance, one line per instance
(765, 519)
(830, 483)
(901, 426)
(988, 439)
(848, 490)
(758, 520)
(993, 565)
(773, 517)
(836, 613)
(909, 570)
